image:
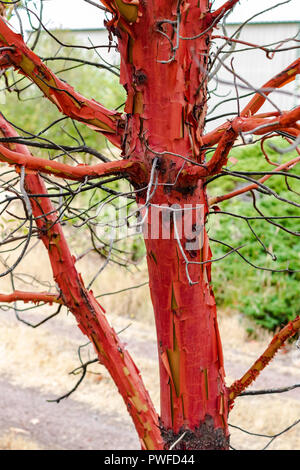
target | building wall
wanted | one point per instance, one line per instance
(99, 38)
(256, 68)
(251, 65)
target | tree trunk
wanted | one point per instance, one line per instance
(166, 82)
(193, 392)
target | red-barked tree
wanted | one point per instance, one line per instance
(169, 159)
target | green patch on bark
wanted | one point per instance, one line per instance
(206, 382)
(174, 305)
(174, 362)
(153, 257)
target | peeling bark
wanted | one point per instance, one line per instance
(166, 109)
(189, 345)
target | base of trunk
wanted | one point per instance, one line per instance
(205, 437)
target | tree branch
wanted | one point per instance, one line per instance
(220, 12)
(68, 101)
(261, 126)
(62, 170)
(219, 158)
(234, 128)
(279, 339)
(35, 297)
(192, 172)
(283, 78)
(239, 41)
(269, 391)
(239, 125)
(237, 192)
(84, 368)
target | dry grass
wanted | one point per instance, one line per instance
(268, 416)
(16, 439)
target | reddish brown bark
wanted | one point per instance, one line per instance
(193, 392)
(92, 320)
(34, 297)
(163, 120)
(77, 173)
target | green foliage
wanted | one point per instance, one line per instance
(33, 113)
(270, 298)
